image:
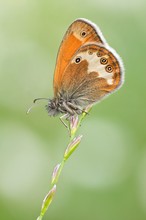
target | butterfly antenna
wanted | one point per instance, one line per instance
(34, 104)
(35, 100)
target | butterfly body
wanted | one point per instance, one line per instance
(87, 70)
(61, 105)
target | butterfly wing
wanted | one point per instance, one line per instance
(94, 72)
(79, 33)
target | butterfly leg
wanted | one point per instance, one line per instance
(75, 108)
(62, 120)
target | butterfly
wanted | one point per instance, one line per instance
(87, 70)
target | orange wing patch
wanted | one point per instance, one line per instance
(80, 32)
(67, 50)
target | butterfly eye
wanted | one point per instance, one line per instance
(99, 53)
(109, 68)
(83, 33)
(90, 52)
(103, 61)
(78, 59)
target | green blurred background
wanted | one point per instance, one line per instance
(105, 179)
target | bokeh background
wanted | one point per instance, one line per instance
(105, 179)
